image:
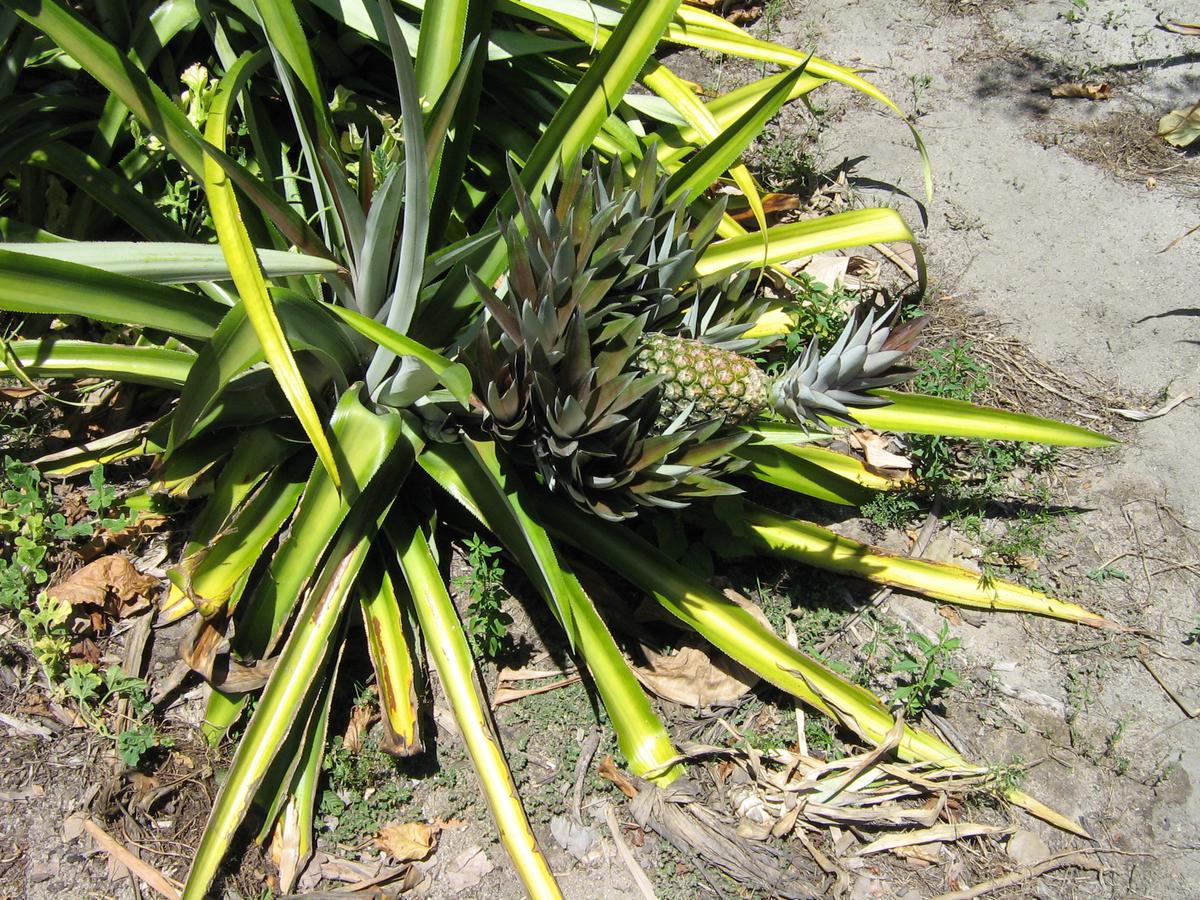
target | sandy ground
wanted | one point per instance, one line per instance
(1068, 254)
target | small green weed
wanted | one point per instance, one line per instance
(820, 310)
(48, 632)
(1004, 778)
(487, 622)
(365, 790)
(918, 86)
(813, 623)
(1192, 636)
(96, 693)
(31, 522)
(1114, 19)
(1075, 12)
(772, 12)
(1119, 762)
(928, 670)
(952, 371)
(889, 510)
(875, 657)
(972, 478)
(820, 733)
(785, 156)
(1106, 572)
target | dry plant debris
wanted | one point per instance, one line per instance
(1128, 145)
(104, 591)
(1180, 127)
(1082, 90)
(847, 814)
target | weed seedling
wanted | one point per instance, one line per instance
(96, 694)
(889, 510)
(1004, 778)
(918, 86)
(1192, 637)
(1075, 12)
(48, 633)
(928, 670)
(1104, 573)
(487, 622)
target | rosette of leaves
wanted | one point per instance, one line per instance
(607, 367)
(555, 361)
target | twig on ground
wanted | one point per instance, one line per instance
(508, 695)
(1186, 234)
(1190, 711)
(893, 257)
(1137, 537)
(1061, 861)
(635, 871)
(586, 752)
(168, 887)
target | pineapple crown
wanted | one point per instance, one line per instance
(599, 265)
(832, 383)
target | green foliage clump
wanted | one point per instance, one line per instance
(31, 522)
(926, 669)
(365, 789)
(96, 694)
(487, 622)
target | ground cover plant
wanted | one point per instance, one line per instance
(367, 297)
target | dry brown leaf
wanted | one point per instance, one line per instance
(950, 614)
(774, 205)
(745, 12)
(874, 447)
(828, 269)
(14, 393)
(504, 695)
(465, 871)
(335, 868)
(407, 841)
(745, 15)
(936, 834)
(206, 651)
(608, 770)
(507, 674)
(288, 849)
(356, 730)
(29, 792)
(1026, 848)
(14, 725)
(107, 589)
(206, 641)
(145, 524)
(926, 853)
(697, 675)
(1082, 90)
(1142, 415)
(73, 825)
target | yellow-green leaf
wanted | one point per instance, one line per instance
(248, 275)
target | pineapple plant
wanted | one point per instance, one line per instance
(622, 380)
